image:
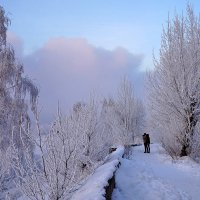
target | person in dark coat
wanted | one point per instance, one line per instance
(145, 142)
(148, 143)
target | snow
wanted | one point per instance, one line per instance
(93, 189)
(156, 176)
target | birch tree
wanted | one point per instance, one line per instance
(130, 111)
(5, 172)
(14, 90)
(174, 92)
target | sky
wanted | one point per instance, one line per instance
(72, 47)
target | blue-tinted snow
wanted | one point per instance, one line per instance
(156, 176)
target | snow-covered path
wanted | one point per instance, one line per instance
(155, 177)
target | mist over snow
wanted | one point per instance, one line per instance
(69, 69)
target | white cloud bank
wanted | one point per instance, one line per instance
(68, 69)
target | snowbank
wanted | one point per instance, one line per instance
(94, 187)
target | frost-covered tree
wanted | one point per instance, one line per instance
(109, 131)
(63, 157)
(139, 120)
(86, 115)
(130, 111)
(13, 90)
(174, 91)
(5, 175)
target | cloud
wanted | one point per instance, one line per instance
(68, 69)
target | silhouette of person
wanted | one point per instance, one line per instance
(144, 136)
(148, 143)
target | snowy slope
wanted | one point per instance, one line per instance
(155, 176)
(93, 189)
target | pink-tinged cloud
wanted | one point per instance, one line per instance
(67, 70)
